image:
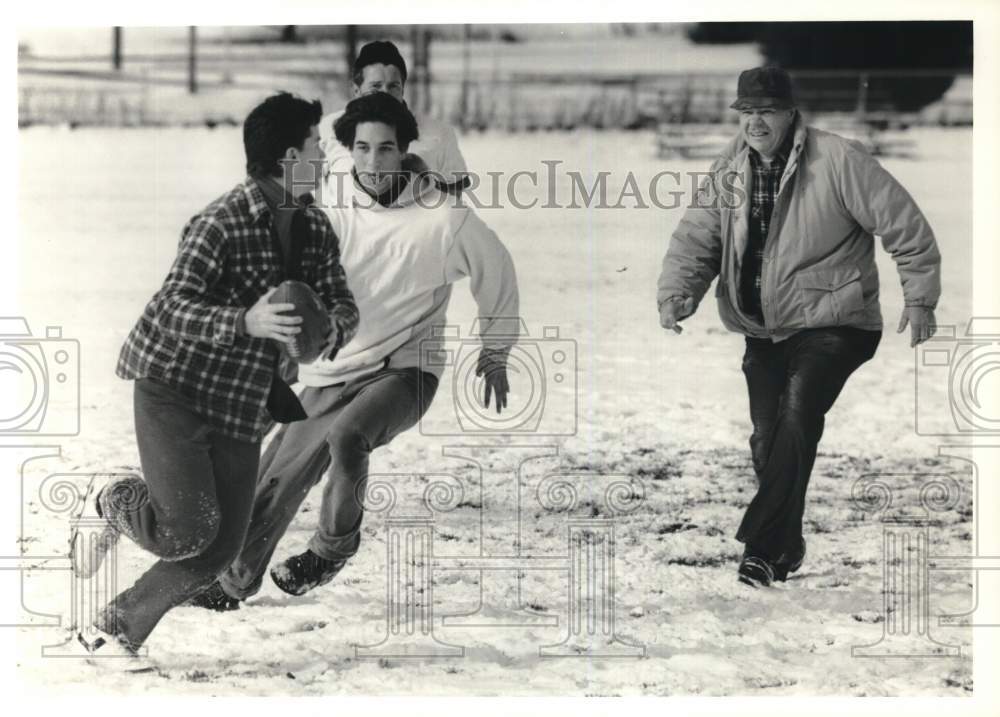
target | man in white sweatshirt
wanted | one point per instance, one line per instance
(380, 67)
(403, 244)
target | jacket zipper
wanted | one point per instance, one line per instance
(778, 203)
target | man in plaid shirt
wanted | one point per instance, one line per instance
(204, 356)
(766, 173)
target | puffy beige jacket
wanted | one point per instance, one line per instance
(819, 258)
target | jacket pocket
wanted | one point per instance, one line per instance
(829, 297)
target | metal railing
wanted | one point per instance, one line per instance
(511, 101)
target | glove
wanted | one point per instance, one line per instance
(492, 367)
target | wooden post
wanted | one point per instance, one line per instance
(861, 110)
(350, 54)
(419, 80)
(464, 103)
(116, 48)
(425, 39)
(192, 60)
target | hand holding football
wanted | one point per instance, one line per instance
(306, 345)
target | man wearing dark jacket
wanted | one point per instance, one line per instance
(204, 356)
(786, 220)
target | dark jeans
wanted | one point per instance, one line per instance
(346, 423)
(792, 385)
(191, 509)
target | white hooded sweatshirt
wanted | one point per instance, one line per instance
(400, 262)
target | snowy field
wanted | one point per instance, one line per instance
(99, 217)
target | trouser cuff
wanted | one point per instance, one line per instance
(234, 589)
(337, 547)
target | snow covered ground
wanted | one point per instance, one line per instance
(99, 217)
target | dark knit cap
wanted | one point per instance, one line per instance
(764, 87)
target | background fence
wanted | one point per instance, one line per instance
(512, 103)
(163, 77)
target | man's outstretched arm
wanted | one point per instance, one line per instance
(693, 258)
(478, 254)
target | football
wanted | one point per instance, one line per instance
(316, 324)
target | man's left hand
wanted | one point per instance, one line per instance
(492, 366)
(921, 321)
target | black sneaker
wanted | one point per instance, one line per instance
(789, 564)
(301, 573)
(756, 572)
(215, 598)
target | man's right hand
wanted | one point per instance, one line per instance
(674, 310)
(269, 321)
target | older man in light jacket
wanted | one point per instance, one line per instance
(786, 220)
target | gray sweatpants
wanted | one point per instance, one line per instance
(346, 423)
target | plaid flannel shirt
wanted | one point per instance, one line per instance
(189, 337)
(766, 181)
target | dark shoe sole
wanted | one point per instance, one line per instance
(283, 576)
(756, 573)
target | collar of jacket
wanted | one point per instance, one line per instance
(256, 203)
(418, 188)
(259, 201)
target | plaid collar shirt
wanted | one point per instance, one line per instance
(190, 334)
(766, 182)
